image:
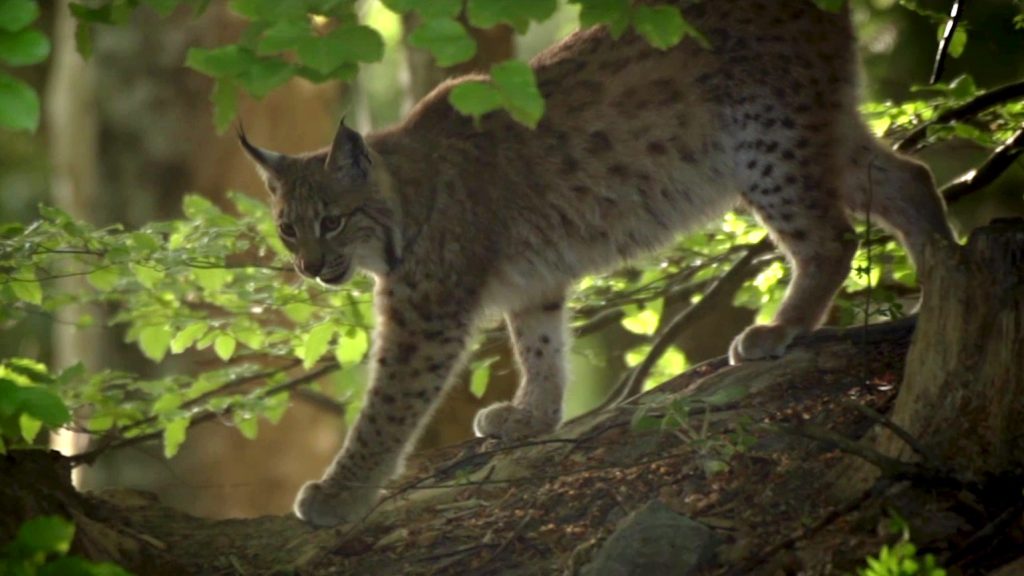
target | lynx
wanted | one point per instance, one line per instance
(636, 146)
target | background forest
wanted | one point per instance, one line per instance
(149, 315)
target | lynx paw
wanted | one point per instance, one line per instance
(761, 341)
(322, 506)
(508, 422)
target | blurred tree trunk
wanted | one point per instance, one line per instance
(71, 124)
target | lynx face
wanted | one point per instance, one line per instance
(322, 204)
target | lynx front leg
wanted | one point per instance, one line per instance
(540, 343)
(413, 360)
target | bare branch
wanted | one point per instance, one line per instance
(955, 14)
(724, 287)
(990, 169)
(972, 107)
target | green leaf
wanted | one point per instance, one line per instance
(225, 104)
(24, 47)
(187, 336)
(351, 347)
(284, 35)
(224, 346)
(475, 98)
(30, 427)
(104, 278)
(265, 74)
(46, 534)
(644, 322)
(147, 275)
(167, 402)
(518, 13)
(299, 312)
(642, 422)
(17, 14)
(613, 13)
(958, 42)
(249, 334)
(174, 435)
(316, 343)
(43, 405)
(154, 341)
(247, 424)
(271, 10)
(211, 279)
(726, 395)
(19, 104)
(341, 46)
(517, 85)
(662, 26)
(427, 9)
(226, 61)
(164, 7)
(25, 286)
(83, 39)
(446, 39)
(478, 381)
(276, 406)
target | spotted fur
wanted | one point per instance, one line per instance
(637, 145)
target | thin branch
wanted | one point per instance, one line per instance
(896, 429)
(725, 286)
(993, 167)
(321, 401)
(112, 443)
(972, 107)
(955, 14)
(888, 466)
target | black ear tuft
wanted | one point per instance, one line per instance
(267, 163)
(265, 158)
(348, 151)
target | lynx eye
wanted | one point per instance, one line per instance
(331, 223)
(286, 230)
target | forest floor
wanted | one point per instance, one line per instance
(723, 470)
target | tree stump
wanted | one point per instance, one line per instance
(962, 395)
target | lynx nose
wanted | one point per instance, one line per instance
(310, 268)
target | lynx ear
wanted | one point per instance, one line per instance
(267, 163)
(348, 151)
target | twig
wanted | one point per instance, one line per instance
(89, 456)
(515, 534)
(321, 401)
(955, 14)
(990, 169)
(896, 429)
(888, 466)
(725, 286)
(972, 107)
(997, 526)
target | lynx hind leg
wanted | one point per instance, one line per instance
(901, 194)
(539, 337)
(796, 195)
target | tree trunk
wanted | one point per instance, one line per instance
(963, 393)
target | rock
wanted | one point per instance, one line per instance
(654, 540)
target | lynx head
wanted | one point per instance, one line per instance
(330, 208)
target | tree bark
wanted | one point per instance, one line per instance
(963, 393)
